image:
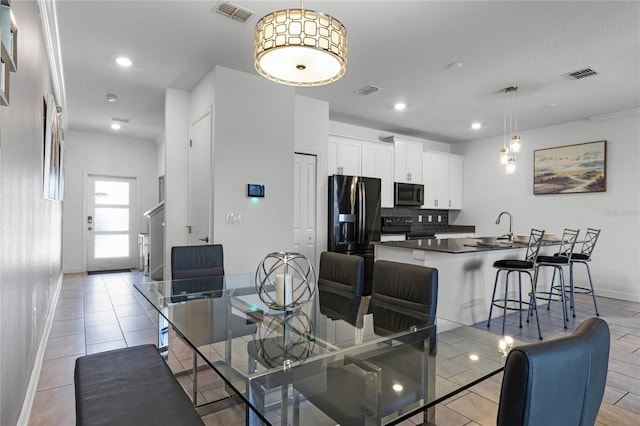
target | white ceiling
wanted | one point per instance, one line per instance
(403, 47)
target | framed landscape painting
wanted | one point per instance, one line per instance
(570, 169)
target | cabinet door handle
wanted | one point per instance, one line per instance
(449, 203)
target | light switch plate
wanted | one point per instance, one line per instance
(233, 219)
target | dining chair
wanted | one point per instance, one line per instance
(558, 262)
(556, 382)
(197, 261)
(341, 273)
(519, 266)
(359, 390)
(204, 263)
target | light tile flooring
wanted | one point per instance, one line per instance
(102, 312)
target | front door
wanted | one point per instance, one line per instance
(111, 223)
(304, 206)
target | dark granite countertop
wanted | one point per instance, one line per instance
(457, 245)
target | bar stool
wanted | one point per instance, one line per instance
(526, 266)
(558, 262)
(584, 257)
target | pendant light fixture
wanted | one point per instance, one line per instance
(300, 47)
(507, 158)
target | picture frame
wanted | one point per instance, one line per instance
(52, 151)
(9, 34)
(570, 169)
(4, 76)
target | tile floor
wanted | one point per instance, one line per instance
(101, 312)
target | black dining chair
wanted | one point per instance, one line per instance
(558, 262)
(557, 382)
(203, 266)
(527, 266)
(197, 261)
(341, 273)
(403, 297)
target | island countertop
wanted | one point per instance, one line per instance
(458, 245)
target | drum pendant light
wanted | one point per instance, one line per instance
(300, 47)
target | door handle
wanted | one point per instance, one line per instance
(90, 228)
(205, 239)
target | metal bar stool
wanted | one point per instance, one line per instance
(558, 262)
(584, 257)
(526, 266)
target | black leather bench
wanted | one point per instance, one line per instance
(130, 386)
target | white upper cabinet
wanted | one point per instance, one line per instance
(344, 157)
(456, 165)
(442, 178)
(377, 161)
(407, 161)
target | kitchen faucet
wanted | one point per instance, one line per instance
(509, 234)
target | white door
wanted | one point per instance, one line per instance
(304, 206)
(111, 223)
(198, 228)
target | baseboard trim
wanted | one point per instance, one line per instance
(30, 394)
(629, 297)
(74, 270)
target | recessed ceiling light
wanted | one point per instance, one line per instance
(549, 106)
(397, 387)
(454, 65)
(111, 97)
(400, 106)
(115, 126)
(474, 357)
(123, 61)
(476, 125)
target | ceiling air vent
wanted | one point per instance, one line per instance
(367, 90)
(583, 73)
(120, 120)
(234, 12)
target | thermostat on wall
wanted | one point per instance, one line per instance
(255, 190)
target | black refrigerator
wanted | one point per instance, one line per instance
(354, 219)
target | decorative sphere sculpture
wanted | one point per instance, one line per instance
(283, 339)
(285, 281)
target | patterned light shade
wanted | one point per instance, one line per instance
(300, 47)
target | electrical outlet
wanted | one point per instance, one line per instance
(439, 218)
(420, 218)
(429, 218)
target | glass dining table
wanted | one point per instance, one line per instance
(338, 359)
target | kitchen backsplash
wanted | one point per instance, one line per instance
(425, 226)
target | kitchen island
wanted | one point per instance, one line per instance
(465, 271)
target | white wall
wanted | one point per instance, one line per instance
(176, 123)
(311, 136)
(30, 227)
(253, 143)
(89, 153)
(161, 151)
(488, 191)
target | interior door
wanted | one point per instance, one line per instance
(304, 206)
(111, 223)
(199, 229)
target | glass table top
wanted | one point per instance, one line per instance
(338, 359)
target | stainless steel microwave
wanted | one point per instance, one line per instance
(408, 194)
